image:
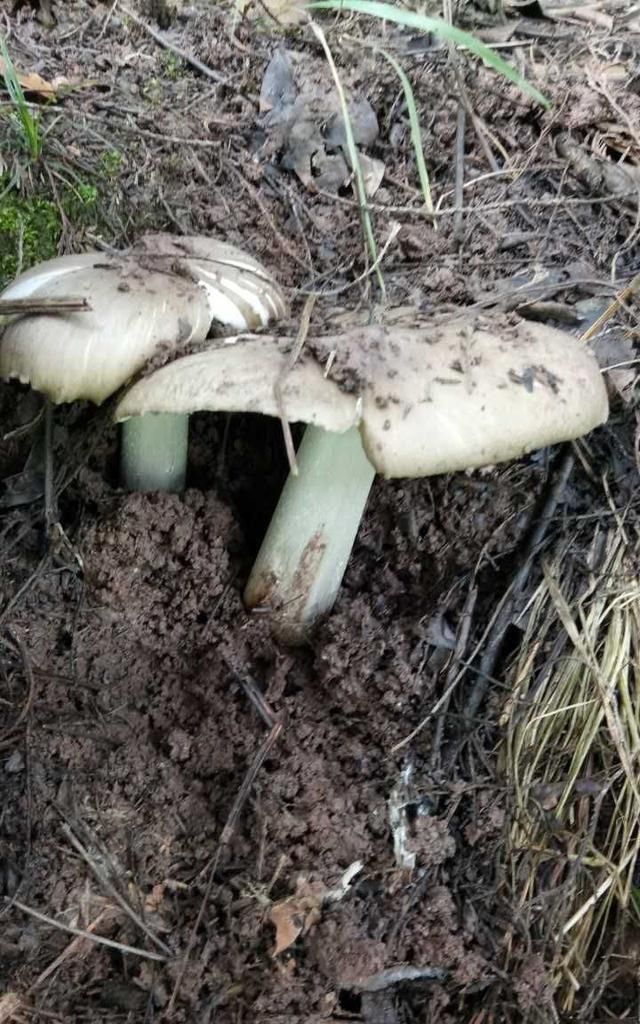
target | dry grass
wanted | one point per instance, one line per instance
(570, 753)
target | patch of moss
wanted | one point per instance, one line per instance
(172, 65)
(111, 163)
(31, 225)
(153, 92)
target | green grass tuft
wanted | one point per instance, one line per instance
(28, 124)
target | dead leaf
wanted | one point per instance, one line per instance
(278, 89)
(330, 172)
(155, 898)
(617, 355)
(612, 139)
(614, 72)
(597, 174)
(364, 126)
(289, 923)
(32, 83)
(296, 915)
(284, 12)
(10, 1006)
(373, 172)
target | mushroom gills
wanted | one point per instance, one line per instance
(240, 294)
(303, 557)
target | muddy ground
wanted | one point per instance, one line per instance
(127, 725)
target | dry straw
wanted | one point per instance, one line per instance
(570, 754)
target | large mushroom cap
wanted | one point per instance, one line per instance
(471, 394)
(134, 310)
(32, 281)
(241, 292)
(163, 293)
(433, 399)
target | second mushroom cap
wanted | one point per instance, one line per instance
(431, 399)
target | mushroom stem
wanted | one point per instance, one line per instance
(304, 554)
(154, 452)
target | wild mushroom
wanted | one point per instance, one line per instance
(156, 298)
(411, 402)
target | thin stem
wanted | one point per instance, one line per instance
(101, 940)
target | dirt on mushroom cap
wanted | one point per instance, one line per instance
(240, 375)
(476, 391)
(133, 310)
(224, 271)
(451, 395)
(164, 292)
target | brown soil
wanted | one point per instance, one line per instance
(139, 736)
(126, 728)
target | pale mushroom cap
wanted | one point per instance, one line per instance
(434, 399)
(240, 375)
(162, 294)
(32, 281)
(466, 396)
(240, 291)
(133, 312)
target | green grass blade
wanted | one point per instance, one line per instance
(354, 159)
(28, 123)
(439, 27)
(416, 134)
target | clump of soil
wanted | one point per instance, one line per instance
(140, 735)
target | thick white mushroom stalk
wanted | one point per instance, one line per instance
(154, 452)
(300, 566)
(406, 402)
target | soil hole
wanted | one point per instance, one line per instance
(349, 1001)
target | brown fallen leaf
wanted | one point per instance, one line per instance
(296, 915)
(289, 924)
(616, 354)
(285, 13)
(32, 83)
(598, 174)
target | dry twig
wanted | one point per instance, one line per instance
(27, 307)
(188, 58)
(112, 891)
(8, 737)
(101, 940)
